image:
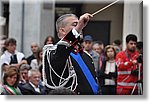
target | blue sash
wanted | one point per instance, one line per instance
(86, 72)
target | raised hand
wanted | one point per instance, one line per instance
(84, 19)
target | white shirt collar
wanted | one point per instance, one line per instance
(8, 53)
(37, 89)
(33, 85)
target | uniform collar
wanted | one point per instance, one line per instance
(78, 49)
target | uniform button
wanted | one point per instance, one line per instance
(78, 93)
(70, 41)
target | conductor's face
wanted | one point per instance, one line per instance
(69, 24)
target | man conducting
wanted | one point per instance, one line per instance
(66, 64)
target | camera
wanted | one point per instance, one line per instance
(140, 58)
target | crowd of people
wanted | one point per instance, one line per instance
(76, 65)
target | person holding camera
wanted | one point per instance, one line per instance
(127, 63)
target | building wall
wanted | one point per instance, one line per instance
(0, 7)
(113, 14)
(1, 28)
(0, 15)
(132, 22)
(31, 30)
(29, 22)
(15, 23)
(47, 21)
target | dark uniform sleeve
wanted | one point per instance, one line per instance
(59, 56)
(64, 48)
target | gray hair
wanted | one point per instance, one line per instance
(30, 72)
(24, 67)
(60, 21)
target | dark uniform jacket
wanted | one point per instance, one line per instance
(58, 59)
(27, 89)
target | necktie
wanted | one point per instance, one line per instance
(13, 59)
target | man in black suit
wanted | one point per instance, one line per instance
(33, 87)
(66, 64)
(34, 49)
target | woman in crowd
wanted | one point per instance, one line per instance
(36, 63)
(49, 40)
(11, 80)
(108, 72)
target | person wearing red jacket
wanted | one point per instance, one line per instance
(127, 67)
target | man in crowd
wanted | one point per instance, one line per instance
(87, 44)
(127, 67)
(23, 70)
(34, 49)
(11, 56)
(98, 47)
(118, 45)
(33, 87)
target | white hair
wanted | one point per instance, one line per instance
(31, 71)
(60, 21)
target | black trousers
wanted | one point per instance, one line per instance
(108, 90)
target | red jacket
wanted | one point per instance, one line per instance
(124, 63)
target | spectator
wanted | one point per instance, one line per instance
(49, 40)
(11, 56)
(139, 47)
(11, 80)
(127, 67)
(99, 48)
(108, 72)
(117, 45)
(87, 44)
(36, 63)
(33, 87)
(24, 68)
(34, 49)
(1, 87)
(2, 45)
